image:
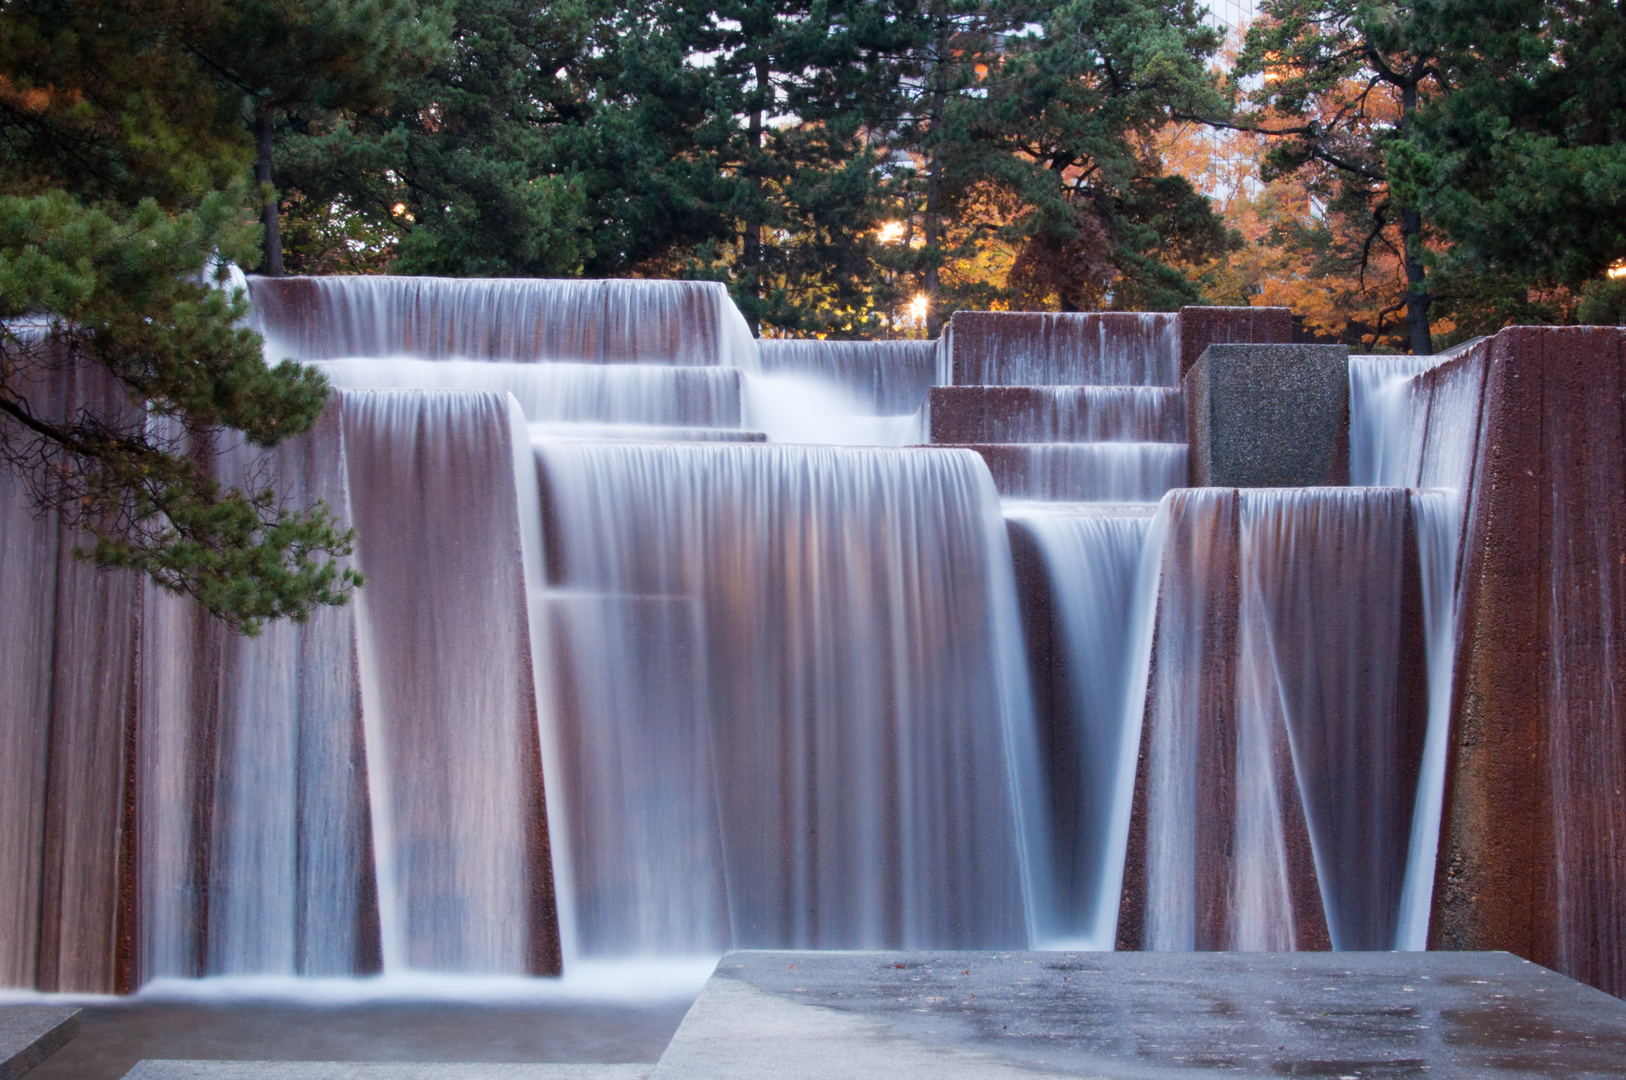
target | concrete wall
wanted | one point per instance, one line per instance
(1201, 327)
(1531, 853)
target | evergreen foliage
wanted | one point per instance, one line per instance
(1522, 165)
(765, 143)
(124, 147)
(1493, 134)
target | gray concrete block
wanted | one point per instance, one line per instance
(31, 1033)
(378, 1070)
(1001, 1016)
(1269, 416)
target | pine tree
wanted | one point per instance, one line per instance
(122, 154)
(331, 54)
(1034, 125)
(1350, 77)
(1522, 165)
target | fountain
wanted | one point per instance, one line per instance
(674, 641)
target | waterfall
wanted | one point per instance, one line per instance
(568, 393)
(1288, 713)
(447, 684)
(888, 378)
(783, 715)
(802, 408)
(251, 775)
(1113, 472)
(1324, 645)
(1439, 520)
(1414, 423)
(685, 323)
(1383, 437)
(1106, 348)
(627, 682)
(844, 393)
(1059, 414)
(1101, 564)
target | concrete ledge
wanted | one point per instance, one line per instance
(31, 1033)
(1269, 416)
(1117, 472)
(1040, 348)
(1041, 414)
(377, 1070)
(1004, 1016)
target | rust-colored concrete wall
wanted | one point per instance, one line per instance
(152, 760)
(1191, 731)
(1201, 327)
(1531, 857)
(1043, 348)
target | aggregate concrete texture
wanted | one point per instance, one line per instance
(31, 1033)
(376, 1070)
(1269, 416)
(1153, 1016)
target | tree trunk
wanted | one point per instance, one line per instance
(272, 264)
(753, 223)
(1417, 298)
(1411, 240)
(931, 227)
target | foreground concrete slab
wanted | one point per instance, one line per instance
(993, 1016)
(117, 1034)
(31, 1033)
(377, 1070)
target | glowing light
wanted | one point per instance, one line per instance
(398, 209)
(918, 307)
(1618, 271)
(891, 232)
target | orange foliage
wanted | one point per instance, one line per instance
(1338, 271)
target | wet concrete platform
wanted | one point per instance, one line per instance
(376, 1070)
(944, 1015)
(31, 1033)
(302, 1038)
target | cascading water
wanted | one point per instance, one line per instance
(1095, 349)
(563, 393)
(1287, 716)
(888, 378)
(1061, 414)
(1100, 564)
(684, 323)
(776, 692)
(663, 790)
(782, 701)
(1392, 419)
(1111, 472)
(1100, 428)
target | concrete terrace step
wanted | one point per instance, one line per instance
(1047, 414)
(1017, 1015)
(31, 1033)
(377, 1070)
(1122, 472)
(1109, 348)
(642, 433)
